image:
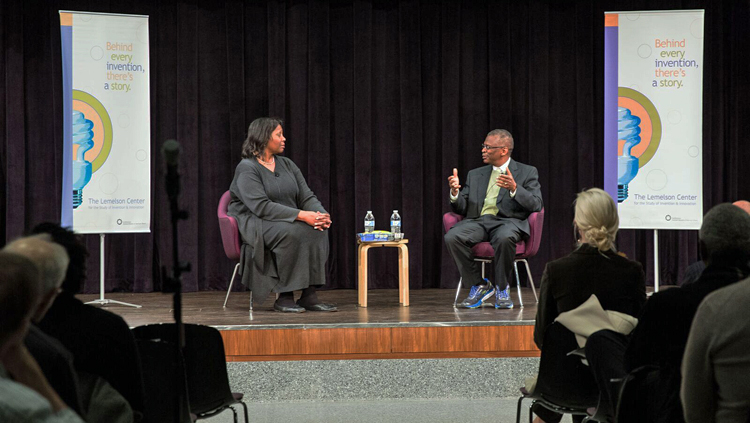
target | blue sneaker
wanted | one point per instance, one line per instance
(502, 298)
(478, 295)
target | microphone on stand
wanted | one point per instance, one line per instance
(171, 150)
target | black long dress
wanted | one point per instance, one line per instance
(279, 254)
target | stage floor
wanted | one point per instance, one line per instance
(429, 328)
(428, 307)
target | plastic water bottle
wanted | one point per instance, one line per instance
(395, 223)
(369, 222)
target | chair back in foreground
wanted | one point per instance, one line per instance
(205, 367)
(163, 378)
(639, 399)
(564, 384)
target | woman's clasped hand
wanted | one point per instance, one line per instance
(316, 219)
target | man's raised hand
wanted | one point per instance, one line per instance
(454, 183)
(506, 181)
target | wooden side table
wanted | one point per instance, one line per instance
(403, 269)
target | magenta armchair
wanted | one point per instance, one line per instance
(484, 253)
(230, 239)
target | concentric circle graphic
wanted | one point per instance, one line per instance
(651, 128)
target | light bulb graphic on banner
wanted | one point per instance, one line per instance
(628, 130)
(638, 136)
(83, 136)
(92, 141)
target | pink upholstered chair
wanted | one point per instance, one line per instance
(484, 253)
(230, 238)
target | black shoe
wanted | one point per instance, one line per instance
(288, 309)
(318, 307)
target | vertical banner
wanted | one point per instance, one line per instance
(653, 117)
(107, 126)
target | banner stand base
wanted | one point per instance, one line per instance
(101, 300)
(106, 302)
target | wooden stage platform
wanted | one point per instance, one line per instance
(429, 328)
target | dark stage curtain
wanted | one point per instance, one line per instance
(381, 100)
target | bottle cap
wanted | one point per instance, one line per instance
(395, 211)
(369, 211)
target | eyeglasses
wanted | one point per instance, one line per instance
(489, 147)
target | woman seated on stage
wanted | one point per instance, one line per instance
(594, 267)
(282, 223)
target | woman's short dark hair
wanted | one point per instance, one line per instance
(258, 134)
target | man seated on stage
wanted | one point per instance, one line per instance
(496, 200)
(25, 394)
(664, 324)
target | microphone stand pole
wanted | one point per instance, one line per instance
(173, 282)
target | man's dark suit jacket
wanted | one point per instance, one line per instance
(663, 329)
(56, 363)
(664, 324)
(618, 283)
(101, 342)
(528, 198)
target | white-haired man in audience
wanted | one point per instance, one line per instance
(25, 394)
(53, 358)
(51, 260)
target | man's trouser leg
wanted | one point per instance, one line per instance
(459, 240)
(503, 237)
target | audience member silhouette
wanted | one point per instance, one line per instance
(693, 272)
(664, 325)
(594, 267)
(53, 358)
(716, 362)
(25, 394)
(100, 341)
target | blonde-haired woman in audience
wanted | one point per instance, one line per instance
(593, 267)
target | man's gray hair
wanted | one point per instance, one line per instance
(725, 233)
(50, 258)
(504, 135)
